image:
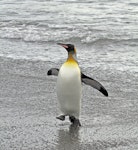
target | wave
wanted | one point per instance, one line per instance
(35, 31)
(82, 40)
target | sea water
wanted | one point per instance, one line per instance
(105, 32)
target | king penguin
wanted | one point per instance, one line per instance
(69, 86)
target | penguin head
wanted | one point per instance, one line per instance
(69, 47)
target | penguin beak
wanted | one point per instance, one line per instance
(63, 45)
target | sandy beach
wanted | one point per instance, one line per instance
(28, 110)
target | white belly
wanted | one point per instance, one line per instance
(69, 90)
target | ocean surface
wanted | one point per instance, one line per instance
(105, 33)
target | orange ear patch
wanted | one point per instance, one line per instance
(74, 49)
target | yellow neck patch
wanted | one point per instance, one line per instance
(71, 61)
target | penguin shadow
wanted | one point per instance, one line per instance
(68, 139)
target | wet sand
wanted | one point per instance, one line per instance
(28, 110)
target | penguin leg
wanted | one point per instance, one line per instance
(74, 121)
(61, 117)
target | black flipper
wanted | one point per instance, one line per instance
(95, 84)
(53, 71)
(61, 117)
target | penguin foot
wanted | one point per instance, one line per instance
(61, 117)
(74, 121)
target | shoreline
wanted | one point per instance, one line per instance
(29, 108)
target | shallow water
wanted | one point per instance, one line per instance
(29, 108)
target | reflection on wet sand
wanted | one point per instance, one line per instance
(68, 139)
